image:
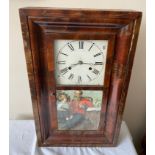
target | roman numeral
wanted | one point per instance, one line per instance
(104, 47)
(63, 71)
(61, 62)
(97, 54)
(98, 63)
(91, 47)
(95, 71)
(81, 43)
(71, 76)
(71, 47)
(64, 54)
(89, 77)
(79, 79)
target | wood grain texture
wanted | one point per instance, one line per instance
(40, 27)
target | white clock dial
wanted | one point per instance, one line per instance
(80, 62)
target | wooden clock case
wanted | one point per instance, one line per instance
(40, 27)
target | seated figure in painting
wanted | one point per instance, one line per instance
(63, 112)
(78, 107)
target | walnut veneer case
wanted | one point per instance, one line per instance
(79, 64)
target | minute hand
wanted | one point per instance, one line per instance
(88, 63)
(73, 65)
(80, 63)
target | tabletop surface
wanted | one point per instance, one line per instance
(23, 142)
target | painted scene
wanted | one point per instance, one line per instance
(78, 110)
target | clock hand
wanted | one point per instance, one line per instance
(80, 63)
(73, 65)
(88, 63)
(96, 63)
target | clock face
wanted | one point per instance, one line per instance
(80, 62)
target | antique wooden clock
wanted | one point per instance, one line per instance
(79, 64)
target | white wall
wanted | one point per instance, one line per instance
(20, 101)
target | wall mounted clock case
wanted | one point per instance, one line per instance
(79, 64)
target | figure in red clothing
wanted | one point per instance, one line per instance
(78, 107)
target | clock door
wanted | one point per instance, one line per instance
(79, 85)
(79, 63)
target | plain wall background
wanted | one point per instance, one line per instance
(20, 100)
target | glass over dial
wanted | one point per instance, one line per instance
(80, 62)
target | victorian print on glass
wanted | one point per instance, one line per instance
(78, 109)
